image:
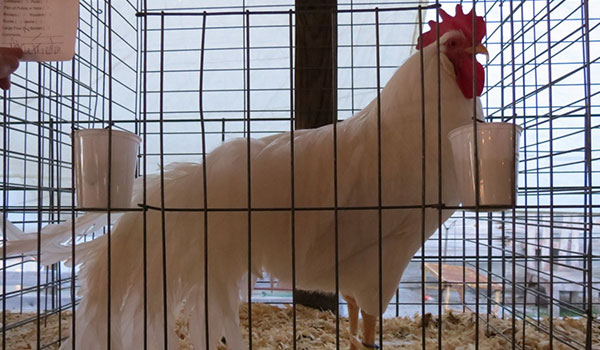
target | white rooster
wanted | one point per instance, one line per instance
(357, 180)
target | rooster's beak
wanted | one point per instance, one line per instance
(478, 49)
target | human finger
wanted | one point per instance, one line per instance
(5, 83)
(8, 64)
(12, 51)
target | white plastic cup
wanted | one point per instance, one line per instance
(92, 167)
(498, 159)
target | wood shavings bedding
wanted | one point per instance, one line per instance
(272, 330)
(24, 337)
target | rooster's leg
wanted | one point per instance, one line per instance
(352, 315)
(353, 319)
(368, 335)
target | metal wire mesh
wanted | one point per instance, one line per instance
(539, 260)
(46, 102)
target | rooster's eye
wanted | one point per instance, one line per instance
(452, 43)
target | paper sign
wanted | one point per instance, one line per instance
(44, 29)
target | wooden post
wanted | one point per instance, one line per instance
(316, 63)
(316, 89)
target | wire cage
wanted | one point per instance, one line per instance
(188, 79)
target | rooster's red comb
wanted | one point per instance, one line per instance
(461, 21)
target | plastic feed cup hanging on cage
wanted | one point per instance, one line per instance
(92, 167)
(498, 157)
